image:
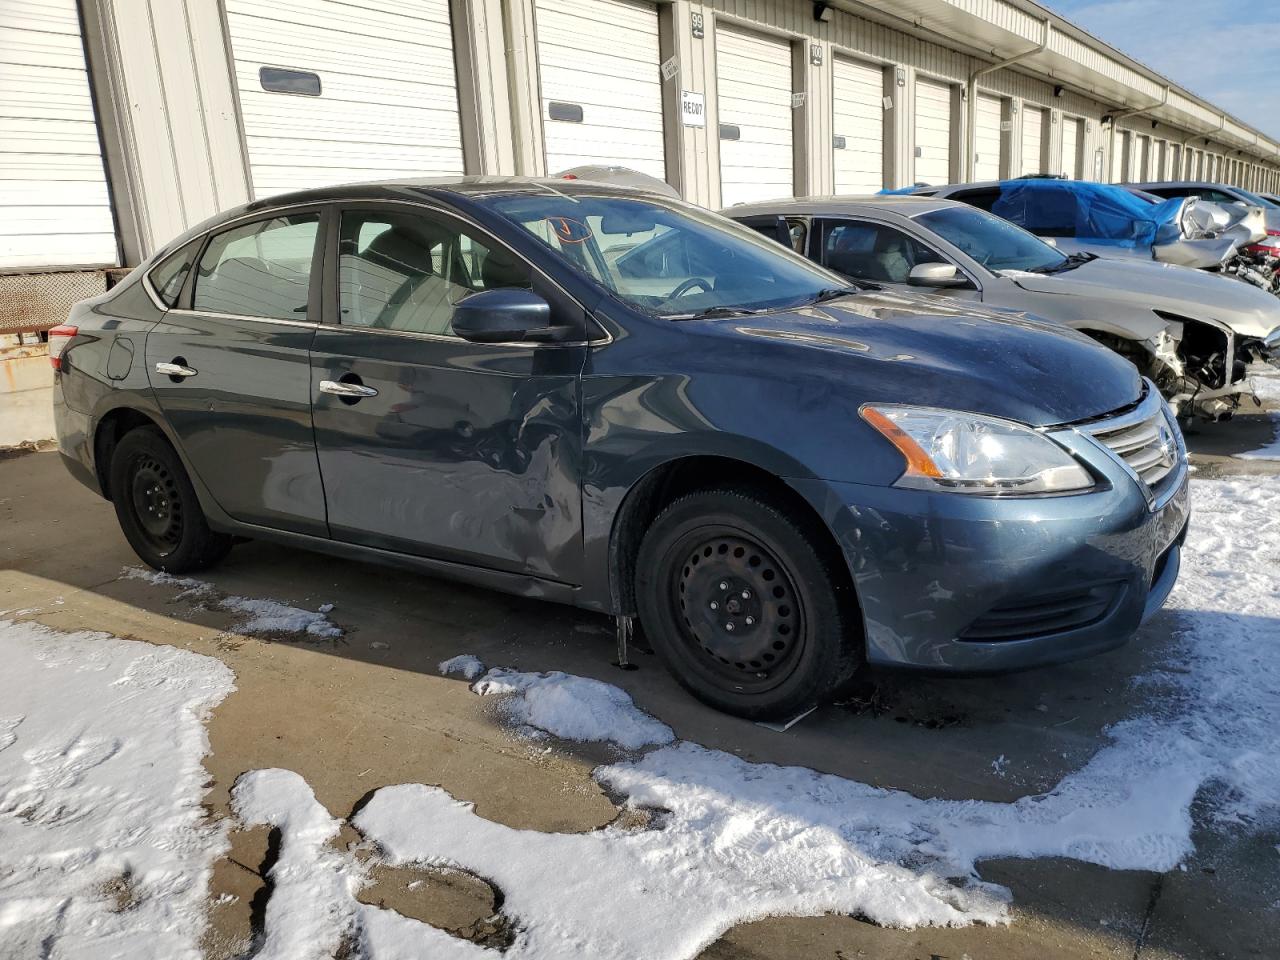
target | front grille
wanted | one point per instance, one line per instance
(1044, 613)
(1144, 438)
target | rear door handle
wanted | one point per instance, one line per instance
(340, 388)
(175, 370)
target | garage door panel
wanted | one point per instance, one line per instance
(988, 139)
(54, 205)
(932, 131)
(1071, 140)
(388, 105)
(858, 118)
(1032, 140)
(753, 83)
(603, 56)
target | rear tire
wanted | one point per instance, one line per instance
(157, 506)
(745, 605)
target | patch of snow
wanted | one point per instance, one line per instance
(100, 789)
(269, 616)
(999, 765)
(740, 840)
(313, 906)
(313, 886)
(325, 608)
(573, 708)
(465, 664)
(1266, 386)
(258, 616)
(1268, 451)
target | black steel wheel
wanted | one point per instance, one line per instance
(746, 605)
(157, 506)
(156, 502)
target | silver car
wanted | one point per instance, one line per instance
(1192, 332)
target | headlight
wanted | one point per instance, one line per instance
(969, 453)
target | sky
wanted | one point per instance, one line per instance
(1226, 51)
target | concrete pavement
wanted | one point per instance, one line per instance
(370, 710)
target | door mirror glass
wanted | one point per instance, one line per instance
(505, 315)
(935, 275)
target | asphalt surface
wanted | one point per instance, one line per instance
(370, 710)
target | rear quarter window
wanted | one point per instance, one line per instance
(168, 276)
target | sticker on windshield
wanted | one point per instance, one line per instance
(568, 230)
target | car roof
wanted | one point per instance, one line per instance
(466, 186)
(902, 204)
(1156, 184)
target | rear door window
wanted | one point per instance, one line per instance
(262, 269)
(872, 251)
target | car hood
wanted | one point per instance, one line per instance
(953, 354)
(1247, 310)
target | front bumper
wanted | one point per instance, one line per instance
(976, 585)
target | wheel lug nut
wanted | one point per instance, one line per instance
(724, 585)
(714, 605)
(751, 621)
(729, 626)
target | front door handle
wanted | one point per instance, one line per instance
(175, 369)
(341, 388)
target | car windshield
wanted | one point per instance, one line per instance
(1255, 199)
(996, 244)
(668, 261)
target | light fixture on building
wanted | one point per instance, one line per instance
(1059, 90)
(822, 12)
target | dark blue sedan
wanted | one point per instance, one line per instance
(619, 401)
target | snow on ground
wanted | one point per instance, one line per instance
(257, 616)
(468, 666)
(1267, 385)
(572, 708)
(104, 851)
(737, 840)
(100, 781)
(1268, 451)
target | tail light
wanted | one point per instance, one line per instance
(59, 337)
(1269, 247)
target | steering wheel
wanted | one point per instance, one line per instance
(688, 285)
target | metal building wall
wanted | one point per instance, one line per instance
(172, 122)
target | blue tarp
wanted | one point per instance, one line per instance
(1086, 211)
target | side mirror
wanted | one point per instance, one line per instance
(503, 315)
(935, 275)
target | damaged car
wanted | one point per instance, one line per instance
(1228, 236)
(781, 475)
(1193, 333)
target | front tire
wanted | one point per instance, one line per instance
(157, 506)
(746, 605)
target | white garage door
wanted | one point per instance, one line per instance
(387, 104)
(753, 80)
(54, 207)
(601, 84)
(858, 126)
(1072, 139)
(987, 139)
(933, 132)
(1032, 140)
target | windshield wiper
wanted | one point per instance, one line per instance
(714, 313)
(835, 293)
(1070, 263)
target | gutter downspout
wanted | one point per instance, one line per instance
(971, 95)
(1125, 115)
